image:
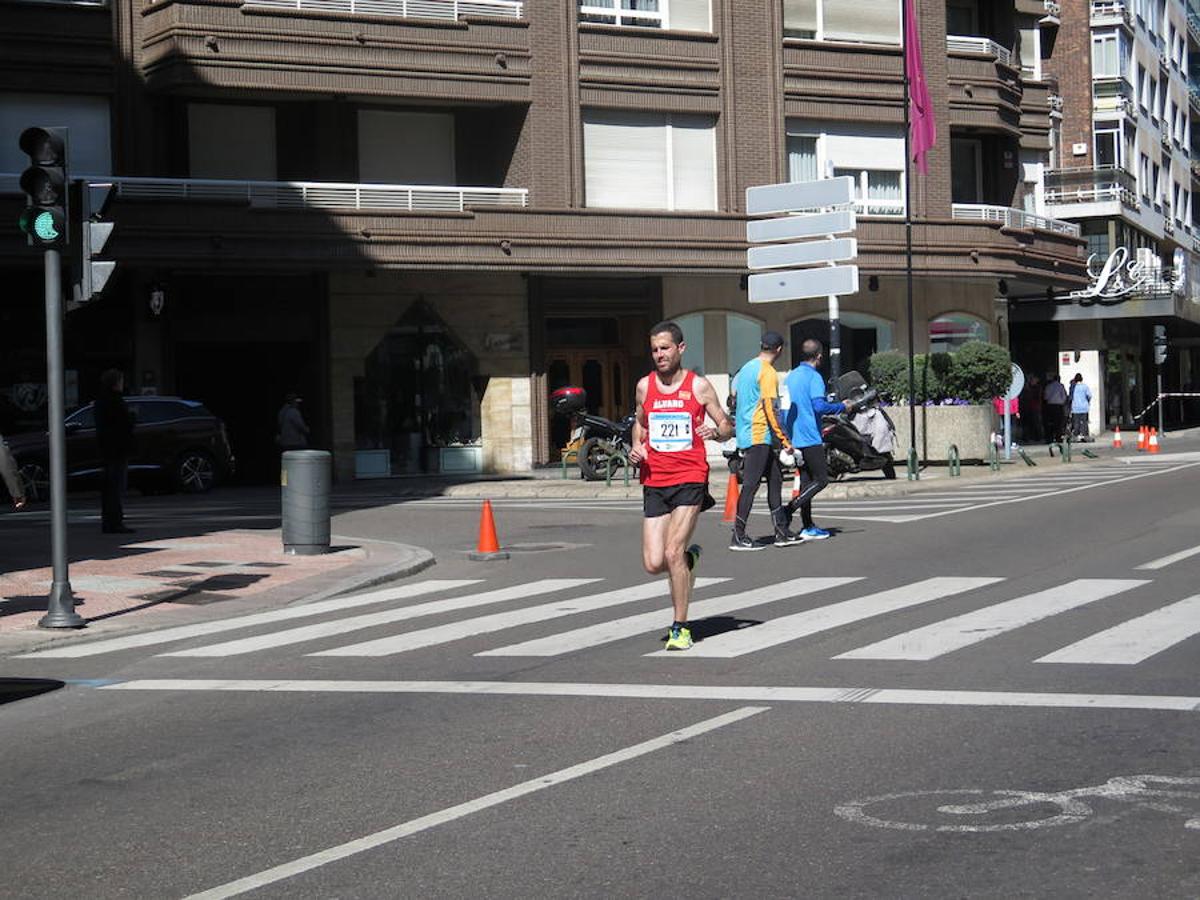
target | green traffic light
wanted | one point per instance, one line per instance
(41, 224)
(43, 227)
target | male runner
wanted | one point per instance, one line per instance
(759, 434)
(806, 388)
(668, 443)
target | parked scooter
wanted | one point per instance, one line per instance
(861, 440)
(605, 443)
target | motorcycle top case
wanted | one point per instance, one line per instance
(567, 401)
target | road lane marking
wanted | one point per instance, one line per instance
(678, 693)
(453, 631)
(970, 628)
(825, 618)
(632, 626)
(1163, 561)
(487, 801)
(179, 633)
(386, 617)
(1137, 640)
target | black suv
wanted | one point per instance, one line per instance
(177, 444)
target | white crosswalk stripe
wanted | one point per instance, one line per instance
(823, 618)
(632, 626)
(442, 634)
(962, 631)
(386, 617)
(1137, 640)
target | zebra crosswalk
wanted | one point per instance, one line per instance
(482, 620)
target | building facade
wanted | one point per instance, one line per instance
(425, 215)
(1123, 170)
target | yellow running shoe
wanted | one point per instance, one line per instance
(679, 639)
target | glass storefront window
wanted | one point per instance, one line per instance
(949, 332)
(419, 392)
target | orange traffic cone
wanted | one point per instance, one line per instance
(1142, 441)
(1153, 446)
(488, 547)
(1117, 437)
(731, 499)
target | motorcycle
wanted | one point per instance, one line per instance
(848, 450)
(604, 445)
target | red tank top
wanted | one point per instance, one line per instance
(674, 450)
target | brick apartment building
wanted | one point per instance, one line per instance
(423, 215)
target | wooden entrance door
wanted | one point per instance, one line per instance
(602, 373)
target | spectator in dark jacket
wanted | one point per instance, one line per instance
(114, 434)
(293, 432)
(10, 475)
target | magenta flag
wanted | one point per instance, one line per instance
(922, 127)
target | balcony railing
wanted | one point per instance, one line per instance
(1111, 12)
(985, 46)
(1112, 94)
(302, 195)
(1012, 218)
(1193, 24)
(612, 14)
(414, 9)
(1104, 184)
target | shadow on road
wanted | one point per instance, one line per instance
(13, 689)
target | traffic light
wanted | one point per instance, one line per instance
(44, 220)
(1160, 344)
(89, 274)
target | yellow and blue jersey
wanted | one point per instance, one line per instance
(757, 416)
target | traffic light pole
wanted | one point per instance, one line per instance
(1161, 402)
(60, 607)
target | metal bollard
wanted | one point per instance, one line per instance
(914, 468)
(305, 478)
(953, 461)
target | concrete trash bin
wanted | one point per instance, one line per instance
(305, 478)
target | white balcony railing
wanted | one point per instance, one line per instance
(613, 14)
(1102, 193)
(986, 46)
(423, 9)
(1012, 218)
(304, 194)
(1107, 12)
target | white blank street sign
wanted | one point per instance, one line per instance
(796, 195)
(781, 256)
(788, 228)
(797, 284)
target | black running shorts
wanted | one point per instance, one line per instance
(659, 501)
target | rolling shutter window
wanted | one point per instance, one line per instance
(802, 158)
(866, 21)
(405, 147)
(693, 146)
(86, 117)
(231, 141)
(690, 15)
(625, 160)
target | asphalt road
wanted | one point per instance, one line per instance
(997, 701)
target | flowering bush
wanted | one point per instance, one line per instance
(975, 373)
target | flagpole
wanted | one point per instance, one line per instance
(913, 473)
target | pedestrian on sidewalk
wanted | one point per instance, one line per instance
(1081, 404)
(11, 476)
(1031, 410)
(760, 436)
(668, 443)
(292, 433)
(1054, 401)
(114, 434)
(806, 389)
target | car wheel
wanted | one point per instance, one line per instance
(36, 479)
(195, 472)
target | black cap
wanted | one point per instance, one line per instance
(772, 340)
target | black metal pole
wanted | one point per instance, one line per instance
(60, 606)
(908, 267)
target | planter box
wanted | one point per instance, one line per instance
(372, 463)
(452, 460)
(967, 427)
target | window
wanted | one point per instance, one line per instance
(860, 22)
(743, 339)
(681, 15)
(693, 335)
(1111, 52)
(1030, 48)
(649, 160)
(397, 147)
(962, 17)
(731, 338)
(1108, 147)
(873, 155)
(86, 117)
(951, 331)
(1096, 232)
(966, 170)
(1143, 86)
(1144, 176)
(226, 141)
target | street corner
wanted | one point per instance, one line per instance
(148, 582)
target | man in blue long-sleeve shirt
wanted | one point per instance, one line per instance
(806, 388)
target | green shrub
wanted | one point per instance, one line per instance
(888, 373)
(980, 372)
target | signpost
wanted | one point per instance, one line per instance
(1014, 391)
(811, 209)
